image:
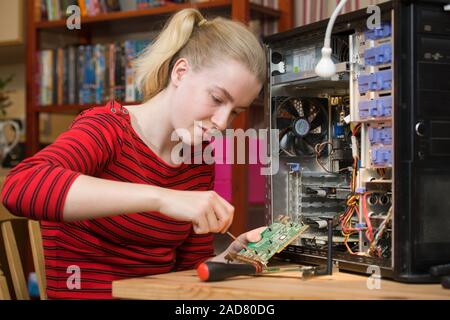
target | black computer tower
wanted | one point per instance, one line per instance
(390, 103)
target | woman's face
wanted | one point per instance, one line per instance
(210, 98)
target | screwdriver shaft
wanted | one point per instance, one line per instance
(244, 245)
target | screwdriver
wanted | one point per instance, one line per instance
(216, 271)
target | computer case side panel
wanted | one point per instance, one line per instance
(422, 126)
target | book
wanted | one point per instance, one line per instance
(54, 78)
(100, 71)
(130, 88)
(96, 8)
(80, 73)
(112, 5)
(126, 5)
(119, 72)
(82, 5)
(112, 69)
(57, 9)
(47, 77)
(88, 74)
(65, 76)
(72, 75)
(59, 75)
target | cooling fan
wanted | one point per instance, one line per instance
(303, 123)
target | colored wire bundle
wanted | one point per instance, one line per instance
(353, 201)
(345, 220)
(318, 148)
(369, 232)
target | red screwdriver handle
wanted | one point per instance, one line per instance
(216, 271)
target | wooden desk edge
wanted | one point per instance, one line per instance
(343, 286)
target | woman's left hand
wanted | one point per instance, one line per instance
(236, 246)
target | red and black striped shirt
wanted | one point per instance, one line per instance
(102, 143)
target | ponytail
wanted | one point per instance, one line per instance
(187, 34)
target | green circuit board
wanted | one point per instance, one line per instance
(273, 240)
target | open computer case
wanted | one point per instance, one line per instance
(368, 148)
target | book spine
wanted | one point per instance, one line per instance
(127, 5)
(59, 76)
(72, 75)
(96, 7)
(41, 78)
(89, 83)
(103, 74)
(49, 10)
(129, 85)
(66, 4)
(82, 5)
(80, 73)
(51, 77)
(112, 70)
(48, 65)
(37, 10)
(63, 4)
(38, 79)
(120, 72)
(46, 76)
(88, 7)
(54, 91)
(43, 12)
(65, 97)
(103, 6)
(56, 9)
(99, 72)
(106, 95)
(112, 5)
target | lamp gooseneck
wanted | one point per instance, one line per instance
(326, 68)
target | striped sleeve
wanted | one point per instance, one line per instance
(37, 187)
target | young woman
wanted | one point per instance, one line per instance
(111, 200)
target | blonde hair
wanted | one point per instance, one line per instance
(187, 34)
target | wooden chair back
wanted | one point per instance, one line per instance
(16, 270)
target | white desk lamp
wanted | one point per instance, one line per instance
(326, 68)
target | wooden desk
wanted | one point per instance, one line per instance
(185, 285)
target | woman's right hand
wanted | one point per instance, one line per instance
(207, 211)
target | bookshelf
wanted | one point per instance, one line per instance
(255, 10)
(135, 21)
